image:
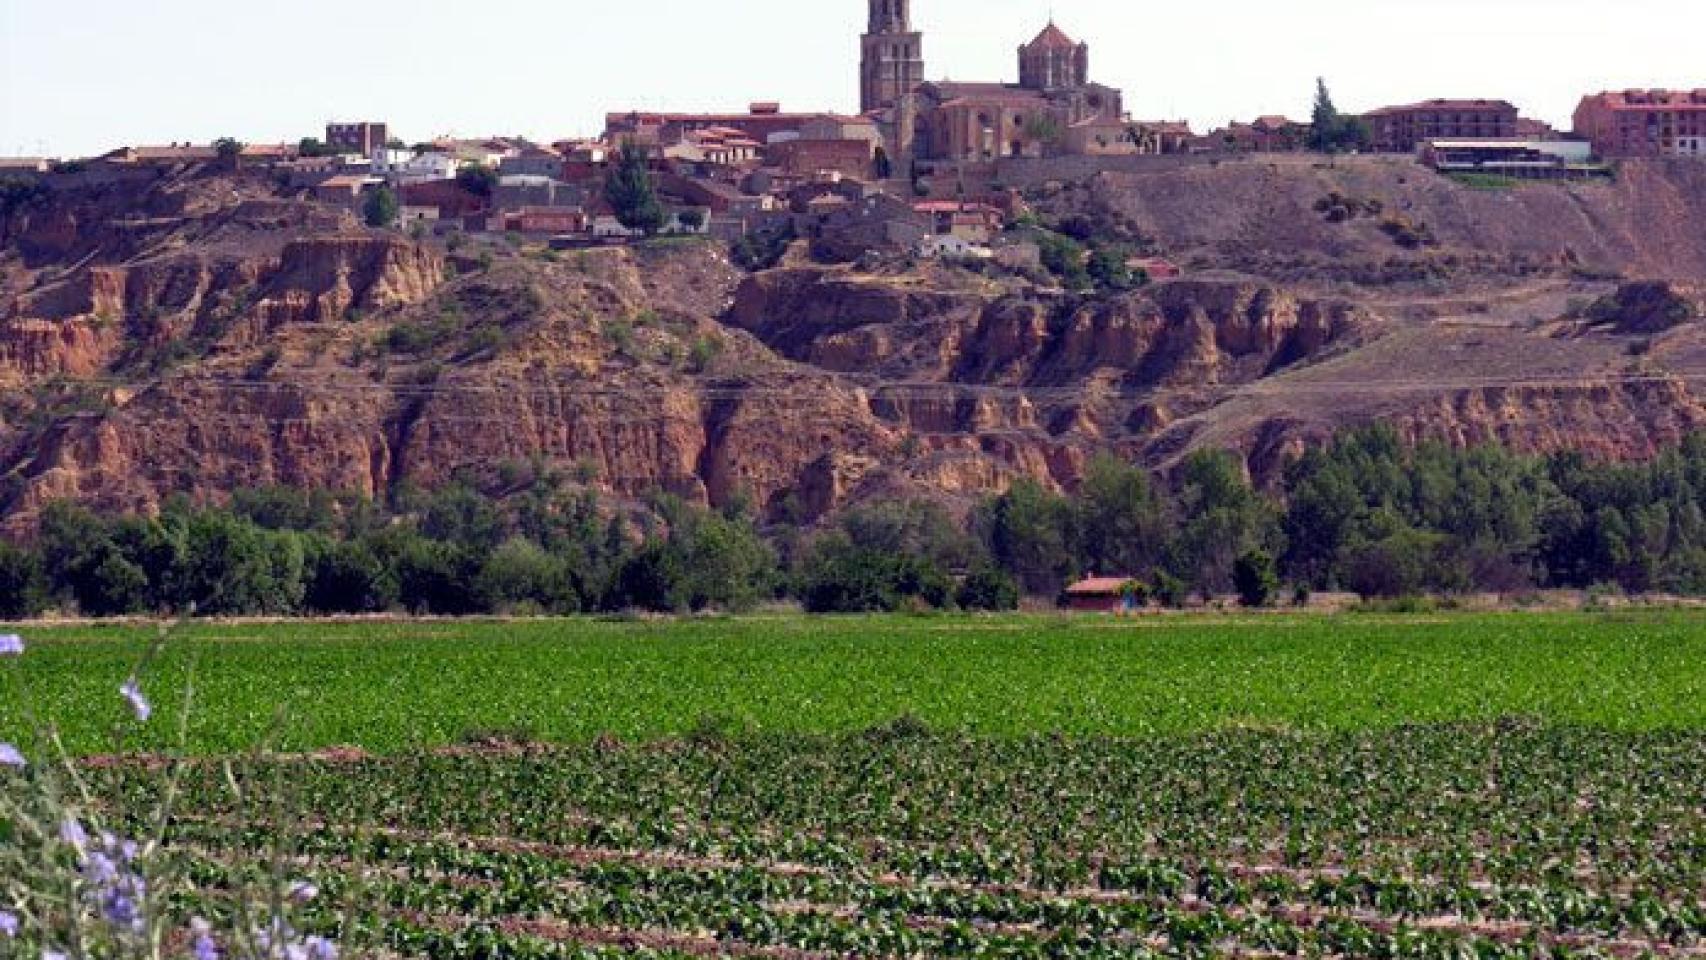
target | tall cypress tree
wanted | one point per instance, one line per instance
(1324, 134)
(629, 191)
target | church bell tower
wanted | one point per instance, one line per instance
(892, 64)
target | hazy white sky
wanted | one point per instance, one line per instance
(82, 76)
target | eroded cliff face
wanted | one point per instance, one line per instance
(88, 322)
(191, 344)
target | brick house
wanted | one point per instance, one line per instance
(714, 195)
(846, 229)
(1402, 129)
(1155, 268)
(24, 165)
(851, 158)
(359, 138)
(268, 154)
(452, 200)
(976, 223)
(533, 161)
(163, 156)
(346, 189)
(1644, 123)
(515, 192)
(1102, 595)
(712, 146)
(552, 220)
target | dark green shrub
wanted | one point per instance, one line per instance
(988, 589)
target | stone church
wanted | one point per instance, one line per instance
(1054, 109)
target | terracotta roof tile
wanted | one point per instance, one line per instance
(1052, 38)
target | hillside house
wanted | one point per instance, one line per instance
(408, 216)
(849, 158)
(1155, 268)
(451, 199)
(1270, 134)
(533, 161)
(527, 190)
(546, 220)
(346, 189)
(975, 223)
(850, 228)
(427, 167)
(267, 154)
(582, 151)
(1102, 595)
(948, 245)
(24, 165)
(170, 155)
(722, 199)
(391, 163)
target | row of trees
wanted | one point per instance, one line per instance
(457, 552)
(1366, 513)
(1371, 515)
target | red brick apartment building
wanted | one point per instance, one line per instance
(1645, 123)
(1402, 129)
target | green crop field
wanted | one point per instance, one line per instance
(1474, 787)
(391, 687)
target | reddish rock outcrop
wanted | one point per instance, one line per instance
(204, 335)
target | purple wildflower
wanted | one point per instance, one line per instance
(266, 937)
(72, 834)
(132, 693)
(203, 945)
(11, 645)
(115, 888)
(8, 925)
(10, 757)
(48, 953)
(320, 948)
(303, 891)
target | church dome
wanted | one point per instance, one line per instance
(1053, 61)
(1052, 38)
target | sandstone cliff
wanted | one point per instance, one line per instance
(204, 334)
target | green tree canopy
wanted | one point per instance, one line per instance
(629, 191)
(480, 180)
(381, 208)
(1331, 131)
(1121, 519)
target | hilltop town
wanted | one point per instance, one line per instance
(959, 286)
(926, 167)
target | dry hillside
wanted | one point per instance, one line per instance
(203, 333)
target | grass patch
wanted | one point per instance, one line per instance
(1485, 181)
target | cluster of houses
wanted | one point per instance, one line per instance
(921, 166)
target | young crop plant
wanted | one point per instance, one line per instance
(1497, 835)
